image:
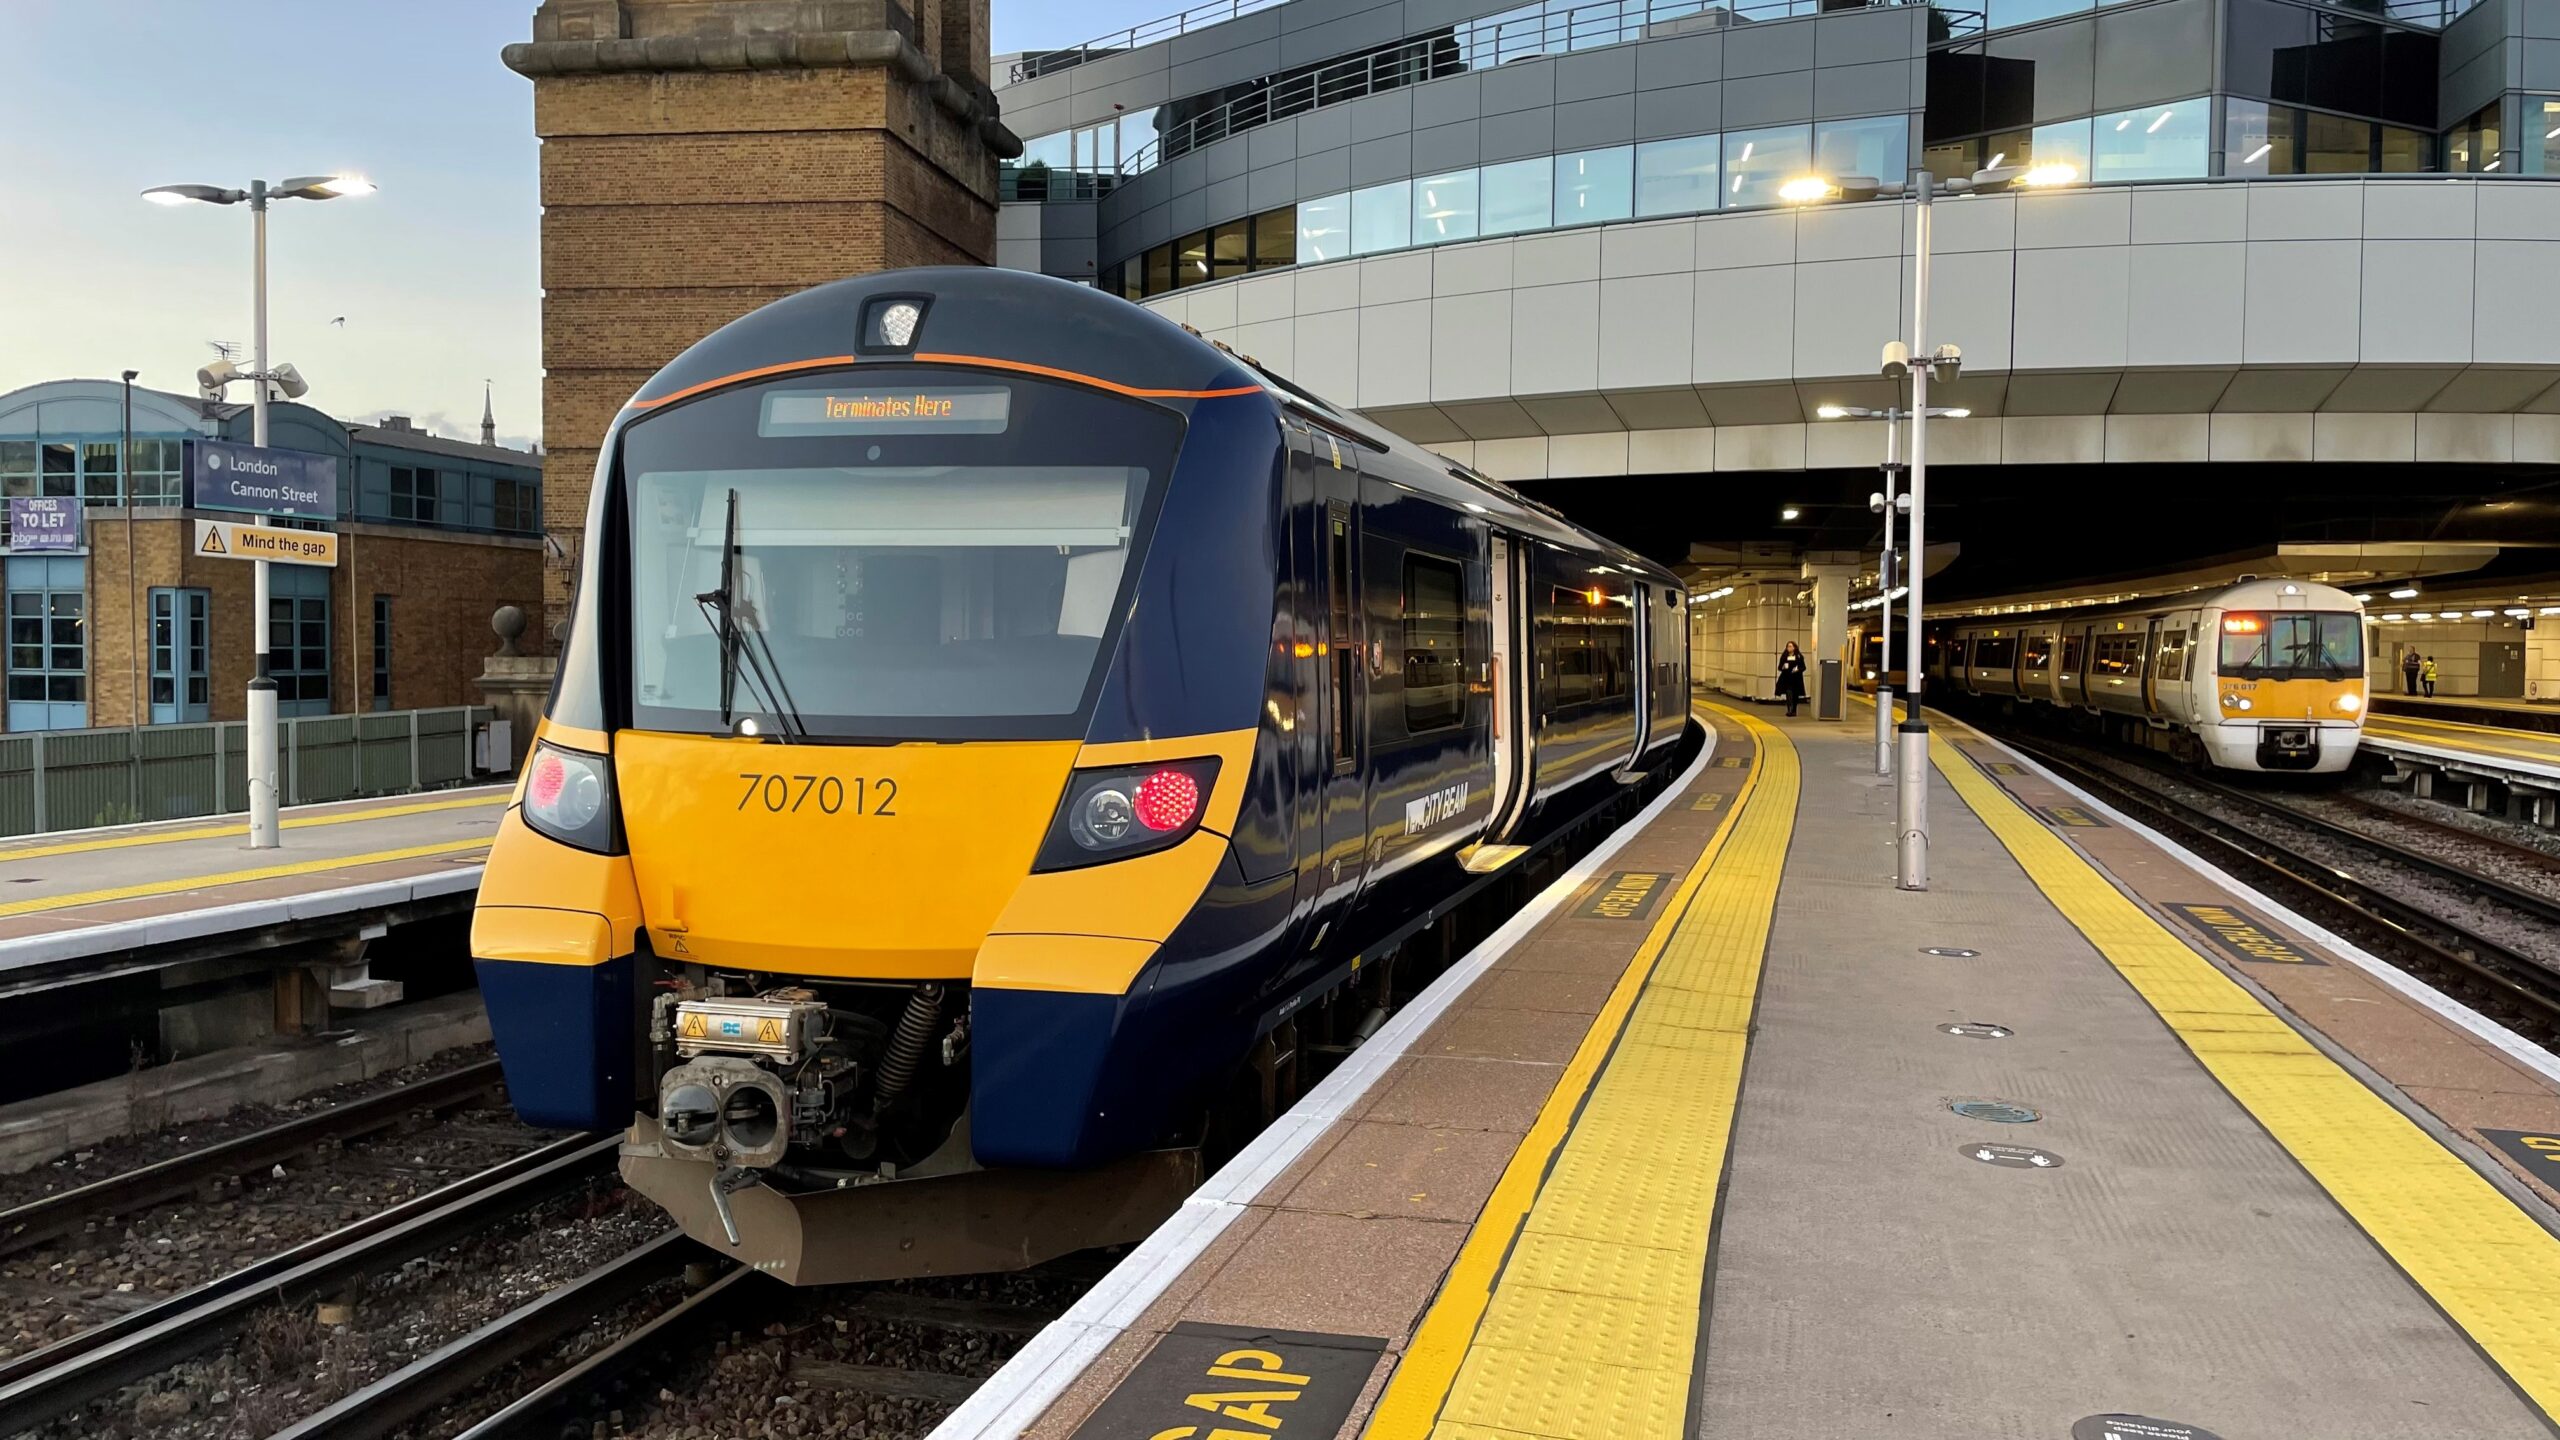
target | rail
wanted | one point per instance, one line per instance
(1163, 27)
(54, 1215)
(61, 1378)
(2389, 922)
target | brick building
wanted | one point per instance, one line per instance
(434, 535)
(701, 158)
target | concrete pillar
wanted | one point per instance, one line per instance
(1827, 654)
(703, 157)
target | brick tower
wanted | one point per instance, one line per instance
(702, 157)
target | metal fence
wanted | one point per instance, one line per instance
(72, 779)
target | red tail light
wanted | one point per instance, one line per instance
(1166, 800)
(549, 778)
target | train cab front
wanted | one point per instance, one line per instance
(859, 725)
(2288, 691)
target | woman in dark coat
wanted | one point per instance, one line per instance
(1791, 676)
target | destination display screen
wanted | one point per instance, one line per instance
(972, 410)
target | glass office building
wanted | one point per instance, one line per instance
(1216, 163)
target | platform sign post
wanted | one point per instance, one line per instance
(1884, 597)
(1911, 787)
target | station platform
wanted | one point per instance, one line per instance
(1725, 1135)
(157, 893)
(2500, 741)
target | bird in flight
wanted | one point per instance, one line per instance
(340, 321)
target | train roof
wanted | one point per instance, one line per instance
(1021, 320)
(2248, 593)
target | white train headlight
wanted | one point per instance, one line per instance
(2350, 702)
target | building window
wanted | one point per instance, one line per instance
(1877, 148)
(61, 470)
(381, 652)
(1518, 196)
(100, 484)
(2541, 135)
(1324, 228)
(1191, 259)
(1595, 185)
(518, 506)
(1435, 628)
(48, 643)
(1676, 177)
(159, 473)
(1444, 207)
(18, 467)
(414, 495)
(181, 655)
(2471, 148)
(1381, 218)
(1275, 238)
(1757, 162)
(2156, 142)
(298, 638)
(1230, 250)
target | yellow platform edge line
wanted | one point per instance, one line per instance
(2484, 1262)
(217, 832)
(1450, 1329)
(236, 877)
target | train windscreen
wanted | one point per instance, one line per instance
(2320, 645)
(937, 561)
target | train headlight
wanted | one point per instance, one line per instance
(2350, 702)
(568, 796)
(1127, 810)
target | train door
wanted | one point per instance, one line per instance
(2151, 668)
(1640, 673)
(1343, 828)
(1513, 736)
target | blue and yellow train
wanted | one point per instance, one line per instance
(989, 711)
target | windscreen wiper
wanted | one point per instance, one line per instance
(744, 641)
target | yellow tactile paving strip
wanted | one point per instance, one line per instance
(235, 877)
(41, 850)
(2484, 1262)
(1573, 1309)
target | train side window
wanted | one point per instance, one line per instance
(2039, 652)
(2173, 655)
(1435, 626)
(1344, 642)
(2070, 653)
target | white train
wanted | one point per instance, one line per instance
(2265, 675)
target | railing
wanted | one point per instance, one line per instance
(72, 779)
(1523, 34)
(1217, 12)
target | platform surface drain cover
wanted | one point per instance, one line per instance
(1952, 952)
(2137, 1427)
(1977, 1030)
(1998, 1111)
(2013, 1157)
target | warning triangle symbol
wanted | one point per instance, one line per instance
(212, 544)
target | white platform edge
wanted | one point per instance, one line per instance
(2472, 758)
(80, 944)
(1016, 1396)
(2508, 1042)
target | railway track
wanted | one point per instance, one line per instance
(76, 1209)
(57, 1380)
(2406, 929)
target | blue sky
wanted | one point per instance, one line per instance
(437, 275)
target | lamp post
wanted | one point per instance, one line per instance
(265, 829)
(1922, 364)
(132, 582)
(1887, 503)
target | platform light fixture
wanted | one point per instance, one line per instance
(1790, 513)
(2405, 592)
(265, 831)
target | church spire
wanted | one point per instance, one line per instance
(488, 417)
